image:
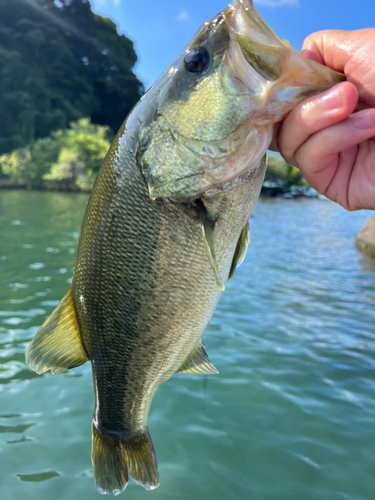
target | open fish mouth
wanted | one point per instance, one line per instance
(275, 72)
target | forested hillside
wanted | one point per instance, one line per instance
(60, 62)
(66, 85)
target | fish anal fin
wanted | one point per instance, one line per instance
(57, 344)
(116, 458)
(241, 249)
(198, 362)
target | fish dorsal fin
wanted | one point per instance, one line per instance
(57, 344)
(208, 227)
(198, 362)
(241, 249)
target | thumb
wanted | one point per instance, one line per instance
(330, 47)
(349, 52)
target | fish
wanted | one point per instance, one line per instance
(166, 226)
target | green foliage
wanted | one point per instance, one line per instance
(282, 177)
(28, 165)
(17, 165)
(82, 148)
(69, 158)
(60, 62)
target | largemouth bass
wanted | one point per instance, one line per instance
(166, 226)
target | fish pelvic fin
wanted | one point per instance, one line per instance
(57, 344)
(198, 362)
(116, 458)
(241, 250)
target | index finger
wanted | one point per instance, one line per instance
(314, 114)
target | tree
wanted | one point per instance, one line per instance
(69, 158)
(28, 165)
(281, 177)
(59, 62)
(82, 149)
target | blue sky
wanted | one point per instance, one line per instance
(160, 29)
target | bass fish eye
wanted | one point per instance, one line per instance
(197, 59)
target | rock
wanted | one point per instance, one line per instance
(365, 240)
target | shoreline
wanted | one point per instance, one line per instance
(5, 185)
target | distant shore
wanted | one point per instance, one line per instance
(7, 184)
(41, 186)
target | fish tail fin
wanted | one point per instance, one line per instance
(57, 344)
(116, 458)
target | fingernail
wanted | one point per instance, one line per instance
(364, 119)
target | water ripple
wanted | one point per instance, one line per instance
(293, 338)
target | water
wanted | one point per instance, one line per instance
(291, 416)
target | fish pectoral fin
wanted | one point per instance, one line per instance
(241, 249)
(57, 344)
(115, 458)
(198, 362)
(208, 227)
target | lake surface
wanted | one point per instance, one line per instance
(291, 416)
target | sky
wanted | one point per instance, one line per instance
(160, 29)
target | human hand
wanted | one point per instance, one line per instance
(330, 137)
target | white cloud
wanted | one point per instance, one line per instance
(183, 16)
(276, 3)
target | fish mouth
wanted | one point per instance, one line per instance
(276, 74)
(261, 47)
